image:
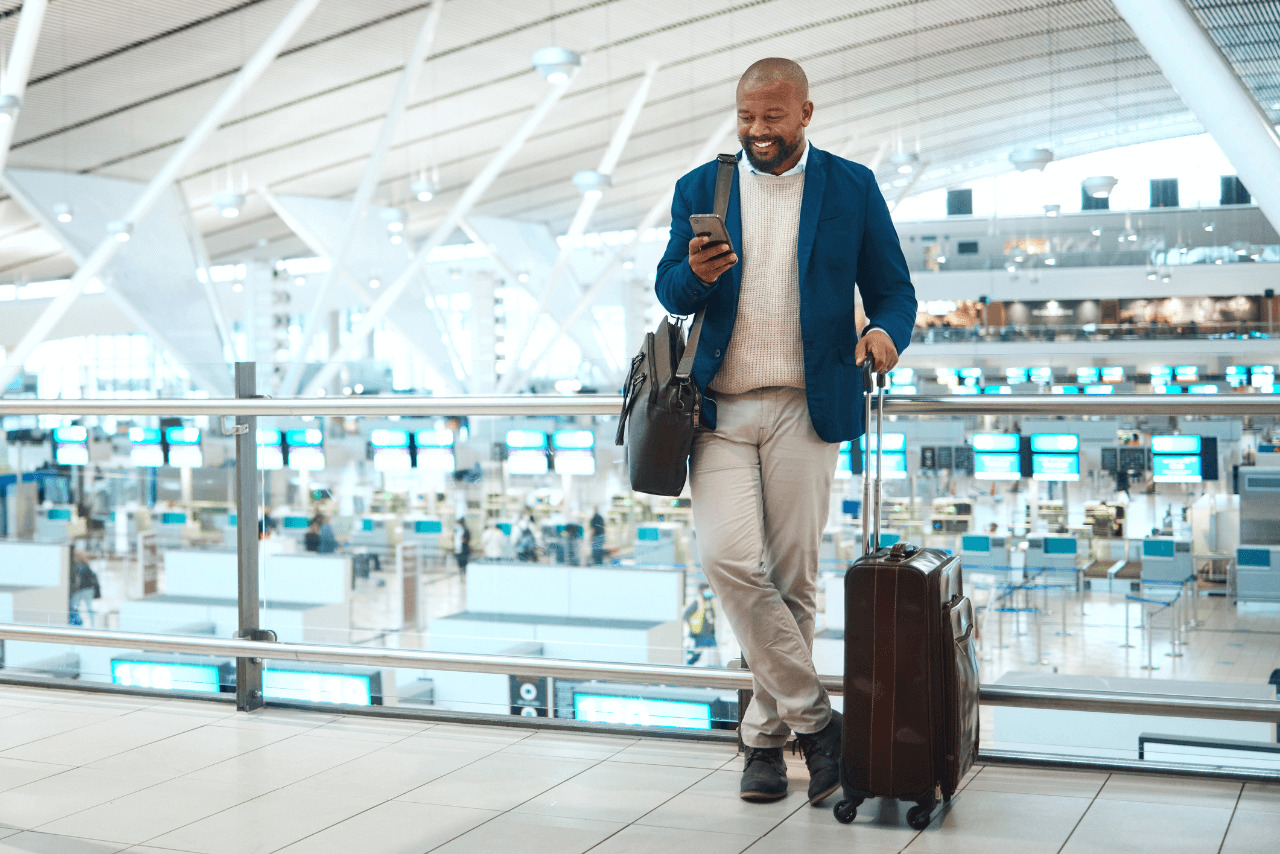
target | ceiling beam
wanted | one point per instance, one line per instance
(651, 218)
(19, 68)
(109, 245)
(586, 207)
(367, 187)
(1209, 86)
(479, 184)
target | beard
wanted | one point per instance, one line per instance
(784, 151)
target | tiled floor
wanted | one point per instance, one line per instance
(92, 774)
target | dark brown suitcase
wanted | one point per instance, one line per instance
(911, 670)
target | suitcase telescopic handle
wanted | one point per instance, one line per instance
(871, 515)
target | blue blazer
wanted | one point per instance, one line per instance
(846, 237)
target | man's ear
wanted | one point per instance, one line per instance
(806, 113)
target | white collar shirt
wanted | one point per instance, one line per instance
(744, 164)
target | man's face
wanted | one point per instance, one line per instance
(771, 122)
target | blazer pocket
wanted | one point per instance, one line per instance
(843, 222)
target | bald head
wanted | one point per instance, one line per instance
(773, 69)
(773, 111)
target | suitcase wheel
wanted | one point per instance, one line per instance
(847, 811)
(920, 815)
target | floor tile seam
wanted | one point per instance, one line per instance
(706, 773)
(1226, 831)
(1080, 820)
(140, 746)
(53, 735)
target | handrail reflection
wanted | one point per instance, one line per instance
(1170, 705)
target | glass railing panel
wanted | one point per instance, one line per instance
(95, 508)
(505, 535)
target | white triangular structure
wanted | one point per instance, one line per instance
(371, 255)
(153, 277)
(529, 247)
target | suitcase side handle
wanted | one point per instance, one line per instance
(871, 517)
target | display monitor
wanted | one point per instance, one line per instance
(1055, 467)
(947, 376)
(1177, 443)
(184, 447)
(1055, 443)
(71, 445)
(527, 461)
(1099, 389)
(1161, 375)
(435, 450)
(895, 466)
(902, 376)
(971, 373)
(1176, 468)
(1041, 375)
(581, 462)
(638, 711)
(384, 438)
(526, 439)
(572, 440)
(390, 449)
(1202, 388)
(1015, 376)
(943, 457)
(965, 389)
(1110, 459)
(996, 441)
(145, 450)
(1237, 375)
(306, 449)
(1087, 375)
(962, 459)
(1066, 389)
(1166, 389)
(997, 466)
(1113, 374)
(1183, 373)
(997, 389)
(1133, 459)
(270, 454)
(306, 686)
(166, 676)
(894, 443)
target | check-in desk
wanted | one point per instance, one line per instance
(587, 613)
(57, 524)
(1257, 574)
(304, 596)
(658, 544)
(35, 588)
(426, 533)
(1166, 560)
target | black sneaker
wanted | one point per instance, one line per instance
(764, 774)
(822, 754)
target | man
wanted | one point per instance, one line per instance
(778, 365)
(493, 543)
(700, 617)
(597, 537)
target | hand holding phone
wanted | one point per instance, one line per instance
(710, 250)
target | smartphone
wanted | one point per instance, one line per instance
(711, 225)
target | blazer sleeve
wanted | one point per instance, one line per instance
(887, 293)
(678, 289)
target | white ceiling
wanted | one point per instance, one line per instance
(115, 87)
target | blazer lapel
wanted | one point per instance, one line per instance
(815, 178)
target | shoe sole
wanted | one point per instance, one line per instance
(817, 799)
(762, 797)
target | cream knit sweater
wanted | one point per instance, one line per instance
(765, 348)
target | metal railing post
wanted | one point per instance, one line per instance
(248, 670)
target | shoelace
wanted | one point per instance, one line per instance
(757, 754)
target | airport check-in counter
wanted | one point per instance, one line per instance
(587, 613)
(983, 551)
(1166, 560)
(427, 534)
(1257, 573)
(170, 527)
(373, 533)
(657, 544)
(35, 588)
(58, 524)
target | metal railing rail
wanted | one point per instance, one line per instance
(1169, 705)
(608, 404)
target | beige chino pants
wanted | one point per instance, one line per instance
(761, 484)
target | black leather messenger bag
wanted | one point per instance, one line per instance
(661, 403)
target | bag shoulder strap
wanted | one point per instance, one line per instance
(725, 164)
